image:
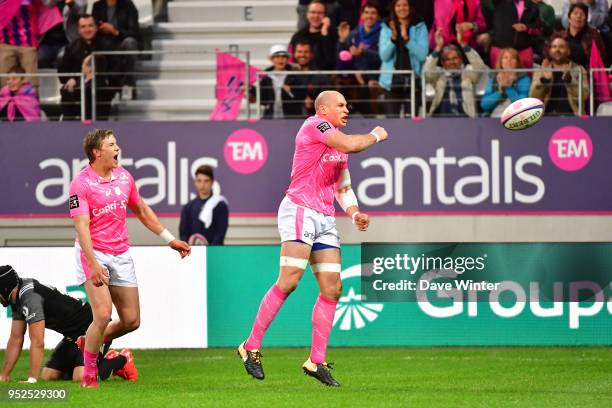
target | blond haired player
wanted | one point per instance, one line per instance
(99, 198)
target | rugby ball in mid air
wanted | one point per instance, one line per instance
(522, 114)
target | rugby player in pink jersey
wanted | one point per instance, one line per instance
(99, 198)
(308, 229)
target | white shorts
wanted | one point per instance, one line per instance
(297, 223)
(120, 267)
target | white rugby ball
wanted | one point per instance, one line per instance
(522, 114)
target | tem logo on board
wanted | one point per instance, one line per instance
(245, 151)
(570, 148)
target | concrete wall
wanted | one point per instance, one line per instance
(262, 230)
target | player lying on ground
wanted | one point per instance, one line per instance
(308, 228)
(40, 306)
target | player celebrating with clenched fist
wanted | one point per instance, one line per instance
(308, 229)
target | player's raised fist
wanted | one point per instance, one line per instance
(380, 133)
(362, 221)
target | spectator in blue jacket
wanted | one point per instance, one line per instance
(507, 86)
(358, 50)
(403, 45)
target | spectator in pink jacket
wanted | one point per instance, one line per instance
(450, 14)
(18, 99)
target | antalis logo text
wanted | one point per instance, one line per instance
(495, 179)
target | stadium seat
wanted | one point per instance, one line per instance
(481, 86)
(605, 109)
(145, 12)
(49, 88)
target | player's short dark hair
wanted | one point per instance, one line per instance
(94, 140)
(205, 170)
(303, 42)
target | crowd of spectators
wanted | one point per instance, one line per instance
(474, 56)
(58, 34)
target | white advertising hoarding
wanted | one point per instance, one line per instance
(172, 293)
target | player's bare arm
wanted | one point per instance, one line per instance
(36, 332)
(147, 216)
(13, 349)
(99, 274)
(356, 143)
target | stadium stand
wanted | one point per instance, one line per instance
(181, 86)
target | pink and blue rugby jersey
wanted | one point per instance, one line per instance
(106, 204)
(316, 167)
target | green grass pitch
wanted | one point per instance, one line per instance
(370, 377)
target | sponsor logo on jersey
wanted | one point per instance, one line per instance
(323, 126)
(73, 201)
(332, 158)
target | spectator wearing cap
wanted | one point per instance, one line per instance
(319, 34)
(280, 95)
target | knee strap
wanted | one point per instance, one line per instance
(326, 267)
(293, 262)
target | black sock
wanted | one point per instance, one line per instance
(109, 366)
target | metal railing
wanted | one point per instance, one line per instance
(362, 85)
(118, 78)
(365, 96)
(48, 92)
(480, 78)
(592, 87)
